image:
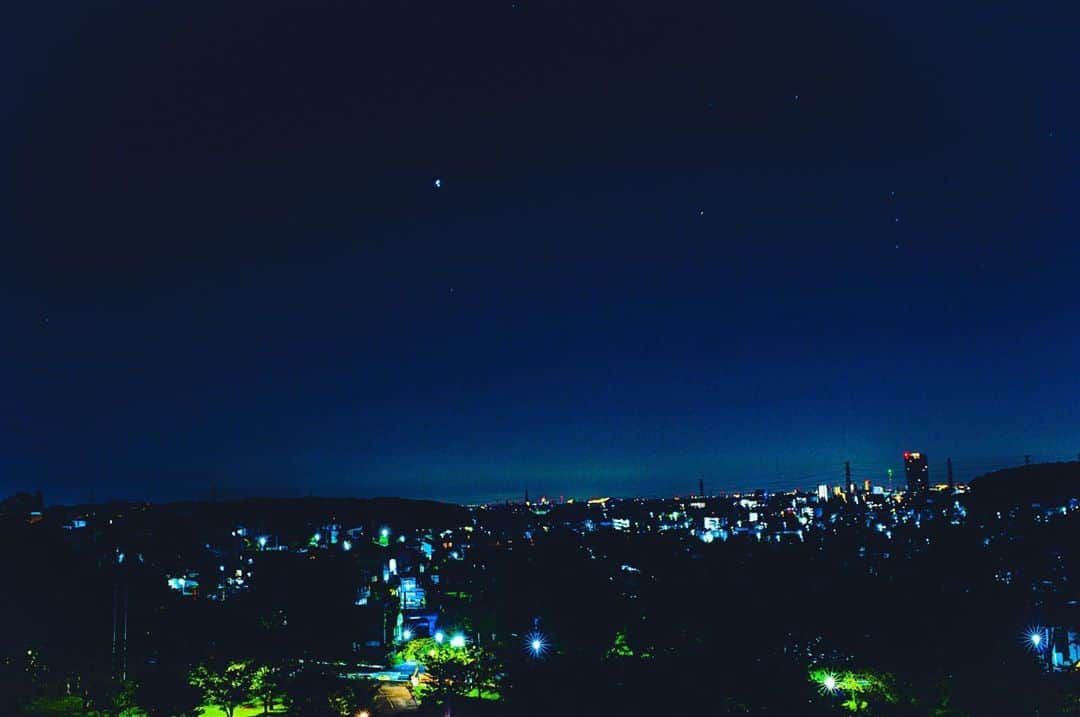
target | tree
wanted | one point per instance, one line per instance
(227, 688)
(164, 693)
(314, 693)
(267, 685)
(350, 695)
(452, 670)
(860, 690)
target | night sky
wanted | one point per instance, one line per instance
(457, 250)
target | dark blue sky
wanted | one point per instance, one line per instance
(738, 241)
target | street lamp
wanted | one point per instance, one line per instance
(536, 644)
(406, 634)
(457, 641)
(440, 636)
(262, 541)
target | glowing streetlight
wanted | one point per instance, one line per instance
(406, 634)
(440, 636)
(346, 545)
(457, 641)
(829, 683)
(262, 541)
(384, 533)
(536, 644)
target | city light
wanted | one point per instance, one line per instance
(316, 538)
(346, 545)
(829, 683)
(440, 636)
(457, 641)
(262, 541)
(406, 634)
(536, 644)
(1034, 638)
(384, 533)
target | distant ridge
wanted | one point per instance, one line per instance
(1049, 483)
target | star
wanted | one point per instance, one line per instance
(701, 213)
(438, 184)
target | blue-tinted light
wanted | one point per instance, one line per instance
(536, 644)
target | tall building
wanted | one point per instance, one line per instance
(916, 471)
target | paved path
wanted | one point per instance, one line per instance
(394, 698)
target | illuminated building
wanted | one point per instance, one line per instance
(917, 472)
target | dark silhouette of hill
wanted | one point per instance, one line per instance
(1045, 483)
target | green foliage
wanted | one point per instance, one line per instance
(226, 687)
(451, 670)
(859, 690)
(315, 693)
(267, 684)
(167, 693)
(621, 648)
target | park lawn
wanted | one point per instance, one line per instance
(54, 707)
(242, 711)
